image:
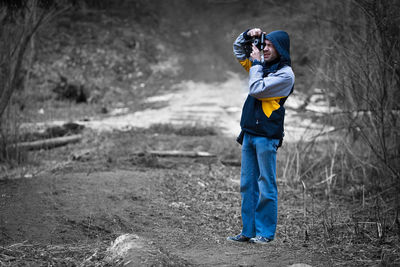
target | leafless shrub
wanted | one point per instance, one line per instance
(362, 54)
(359, 62)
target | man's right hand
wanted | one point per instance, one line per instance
(254, 32)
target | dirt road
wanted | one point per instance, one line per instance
(204, 104)
(174, 217)
(174, 211)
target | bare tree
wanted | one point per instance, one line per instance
(19, 22)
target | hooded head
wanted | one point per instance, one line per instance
(281, 42)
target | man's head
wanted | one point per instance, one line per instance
(270, 53)
(277, 42)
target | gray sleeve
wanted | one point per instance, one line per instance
(238, 47)
(277, 84)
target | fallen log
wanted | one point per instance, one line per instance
(48, 143)
(235, 163)
(176, 153)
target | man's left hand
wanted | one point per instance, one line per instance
(256, 53)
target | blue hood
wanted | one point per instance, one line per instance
(281, 42)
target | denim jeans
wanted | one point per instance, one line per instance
(258, 186)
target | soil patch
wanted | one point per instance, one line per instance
(181, 209)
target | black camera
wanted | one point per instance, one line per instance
(259, 42)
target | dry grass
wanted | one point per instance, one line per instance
(336, 209)
(25, 254)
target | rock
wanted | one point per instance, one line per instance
(122, 245)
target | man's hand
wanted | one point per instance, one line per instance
(254, 32)
(256, 53)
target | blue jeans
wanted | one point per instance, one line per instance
(258, 186)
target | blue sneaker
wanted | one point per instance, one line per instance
(260, 240)
(238, 238)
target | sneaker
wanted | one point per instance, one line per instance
(260, 240)
(238, 238)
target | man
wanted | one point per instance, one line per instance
(270, 83)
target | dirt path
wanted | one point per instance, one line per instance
(173, 217)
(157, 211)
(206, 104)
(190, 103)
(175, 211)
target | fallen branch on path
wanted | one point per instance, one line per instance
(228, 162)
(48, 143)
(176, 153)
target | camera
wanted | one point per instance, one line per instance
(259, 41)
